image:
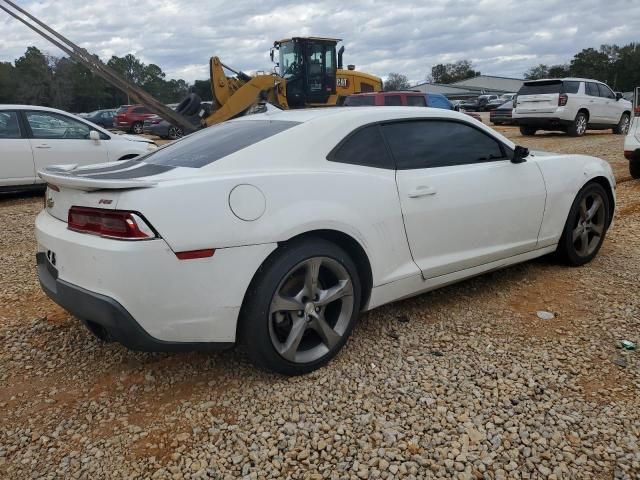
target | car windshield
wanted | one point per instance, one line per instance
(122, 109)
(359, 101)
(213, 143)
(290, 59)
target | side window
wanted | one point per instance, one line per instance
(140, 110)
(436, 143)
(570, 86)
(591, 89)
(54, 126)
(9, 126)
(107, 114)
(605, 91)
(365, 147)
(416, 101)
(392, 100)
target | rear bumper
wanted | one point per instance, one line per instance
(140, 292)
(543, 122)
(105, 317)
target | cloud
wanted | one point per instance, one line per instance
(501, 37)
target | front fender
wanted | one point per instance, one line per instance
(564, 177)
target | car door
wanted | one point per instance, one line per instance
(16, 160)
(594, 103)
(610, 105)
(464, 202)
(58, 139)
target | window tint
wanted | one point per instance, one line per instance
(55, 126)
(429, 144)
(538, 88)
(392, 100)
(122, 109)
(9, 126)
(360, 101)
(605, 91)
(364, 147)
(591, 89)
(140, 110)
(571, 87)
(213, 143)
(416, 101)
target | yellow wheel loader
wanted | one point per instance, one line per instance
(309, 74)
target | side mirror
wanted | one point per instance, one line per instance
(95, 136)
(618, 95)
(520, 154)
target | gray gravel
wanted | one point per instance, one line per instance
(465, 383)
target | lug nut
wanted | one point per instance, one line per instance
(318, 309)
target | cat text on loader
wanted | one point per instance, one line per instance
(309, 74)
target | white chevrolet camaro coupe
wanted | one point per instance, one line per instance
(278, 229)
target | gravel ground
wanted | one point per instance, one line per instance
(464, 382)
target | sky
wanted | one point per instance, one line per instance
(500, 37)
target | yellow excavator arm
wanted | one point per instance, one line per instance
(234, 95)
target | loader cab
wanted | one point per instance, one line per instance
(309, 67)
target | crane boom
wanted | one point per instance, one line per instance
(95, 65)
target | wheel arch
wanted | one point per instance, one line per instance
(341, 239)
(604, 183)
(584, 110)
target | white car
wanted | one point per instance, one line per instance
(632, 140)
(572, 105)
(276, 230)
(33, 138)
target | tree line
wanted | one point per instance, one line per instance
(617, 66)
(40, 79)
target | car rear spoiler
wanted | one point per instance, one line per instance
(65, 177)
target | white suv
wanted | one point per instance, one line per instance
(571, 105)
(632, 140)
(32, 138)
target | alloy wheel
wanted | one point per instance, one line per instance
(310, 310)
(175, 132)
(589, 226)
(581, 125)
(624, 125)
(137, 128)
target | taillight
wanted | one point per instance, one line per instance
(636, 111)
(118, 224)
(562, 99)
(630, 154)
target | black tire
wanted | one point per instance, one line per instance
(137, 128)
(579, 125)
(567, 249)
(527, 131)
(634, 168)
(257, 324)
(623, 125)
(189, 106)
(497, 123)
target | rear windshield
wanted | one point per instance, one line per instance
(363, 101)
(214, 143)
(549, 86)
(537, 88)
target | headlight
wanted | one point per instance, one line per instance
(151, 147)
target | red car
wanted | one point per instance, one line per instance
(386, 99)
(409, 98)
(130, 118)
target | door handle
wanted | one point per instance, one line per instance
(422, 191)
(44, 145)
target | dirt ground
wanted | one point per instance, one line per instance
(464, 382)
